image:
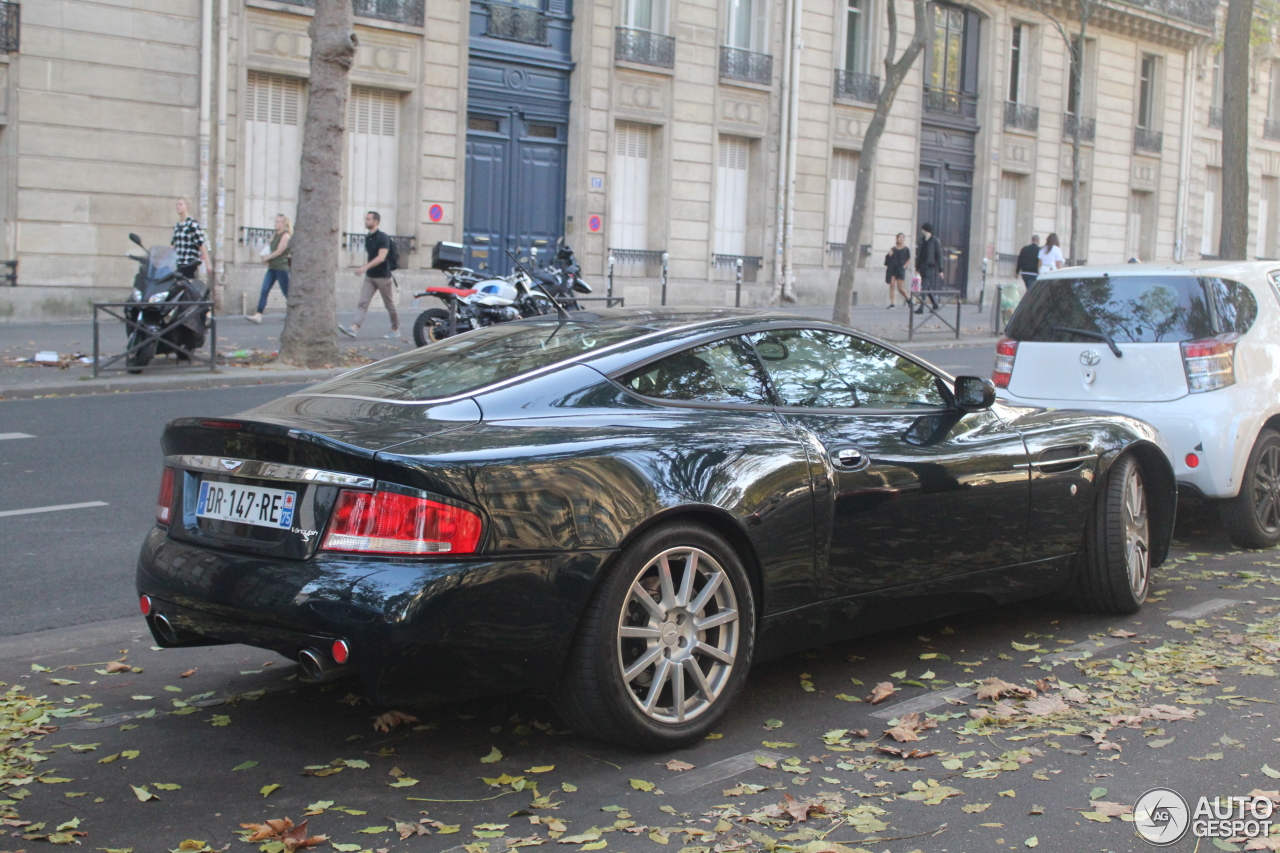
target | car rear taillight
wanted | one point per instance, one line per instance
(164, 501)
(391, 523)
(1210, 363)
(1006, 351)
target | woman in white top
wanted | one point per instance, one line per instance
(1051, 255)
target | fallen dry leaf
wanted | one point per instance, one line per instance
(1123, 635)
(678, 765)
(1110, 809)
(1044, 706)
(283, 830)
(190, 672)
(391, 719)
(118, 666)
(905, 753)
(995, 688)
(881, 692)
(801, 809)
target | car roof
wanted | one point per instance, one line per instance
(1217, 268)
(668, 317)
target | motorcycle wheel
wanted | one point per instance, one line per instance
(432, 325)
(142, 356)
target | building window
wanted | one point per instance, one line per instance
(1268, 197)
(1211, 215)
(1140, 244)
(1064, 220)
(857, 27)
(732, 186)
(629, 186)
(844, 182)
(747, 24)
(1147, 92)
(648, 15)
(373, 157)
(948, 48)
(1007, 214)
(1016, 59)
(1080, 57)
(272, 148)
(1215, 94)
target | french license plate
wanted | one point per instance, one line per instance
(257, 505)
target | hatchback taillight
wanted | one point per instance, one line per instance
(1210, 363)
(391, 523)
(1006, 351)
(164, 501)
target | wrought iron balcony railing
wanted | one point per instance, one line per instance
(1271, 129)
(739, 64)
(750, 263)
(1198, 12)
(856, 86)
(1021, 117)
(404, 244)
(400, 11)
(959, 104)
(1150, 141)
(517, 23)
(637, 257)
(1088, 128)
(1215, 118)
(256, 236)
(9, 26)
(644, 47)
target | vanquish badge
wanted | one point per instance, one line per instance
(1161, 815)
(230, 464)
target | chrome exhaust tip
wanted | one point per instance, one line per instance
(165, 629)
(313, 665)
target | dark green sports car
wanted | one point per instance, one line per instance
(631, 506)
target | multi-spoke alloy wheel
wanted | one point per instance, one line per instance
(1252, 518)
(665, 644)
(678, 635)
(1137, 557)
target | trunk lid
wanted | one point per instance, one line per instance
(265, 482)
(1089, 371)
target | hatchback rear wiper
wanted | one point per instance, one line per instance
(1097, 336)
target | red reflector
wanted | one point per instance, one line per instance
(341, 651)
(391, 523)
(1006, 352)
(211, 424)
(144, 604)
(1193, 461)
(164, 501)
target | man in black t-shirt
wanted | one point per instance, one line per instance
(377, 278)
(1029, 261)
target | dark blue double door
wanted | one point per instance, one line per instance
(515, 186)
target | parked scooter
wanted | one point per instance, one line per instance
(156, 287)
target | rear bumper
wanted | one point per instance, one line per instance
(418, 630)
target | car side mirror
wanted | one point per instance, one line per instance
(135, 238)
(973, 393)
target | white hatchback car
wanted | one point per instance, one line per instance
(1192, 349)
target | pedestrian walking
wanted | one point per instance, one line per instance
(1051, 255)
(895, 270)
(277, 261)
(189, 240)
(929, 265)
(1029, 262)
(377, 278)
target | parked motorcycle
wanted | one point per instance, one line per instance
(562, 277)
(156, 287)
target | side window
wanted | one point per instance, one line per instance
(813, 368)
(720, 372)
(1237, 309)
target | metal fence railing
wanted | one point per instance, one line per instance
(856, 86)
(10, 26)
(644, 47)
(749, 66)
(1088, 127)
(1021, 117)
(141, 336)
(1150, 141)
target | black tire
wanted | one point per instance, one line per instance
(141, 357)
(597, 700)
(1252, 518)
(1113, 569)
(432, 325)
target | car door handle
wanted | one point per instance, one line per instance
(849, 458)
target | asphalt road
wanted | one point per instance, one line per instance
(75, 566)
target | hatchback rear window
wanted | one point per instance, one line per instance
(1133, 309)
(474, 360)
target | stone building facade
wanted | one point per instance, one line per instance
(700, 132)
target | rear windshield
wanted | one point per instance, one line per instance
(1133, 309)
(474, 360)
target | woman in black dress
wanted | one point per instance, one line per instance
(895, 270)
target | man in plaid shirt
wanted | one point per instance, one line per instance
(189, 240)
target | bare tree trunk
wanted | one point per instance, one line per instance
(1234, 240)
(894, 74)
(310, 336)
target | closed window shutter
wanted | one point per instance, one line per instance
(1212, 214)
(1007, 214)
(732, 182)
(373, 148)
(272, 148)
(844, 182)
(629, 203)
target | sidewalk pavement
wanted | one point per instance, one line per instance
(246, 351)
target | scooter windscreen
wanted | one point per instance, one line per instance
(162, 262)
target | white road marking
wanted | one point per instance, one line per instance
(924, 702)
(57, 508)
(1080, 651)
(717, 772)
(1204, 608)
(5, 436)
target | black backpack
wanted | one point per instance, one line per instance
(393, 255)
